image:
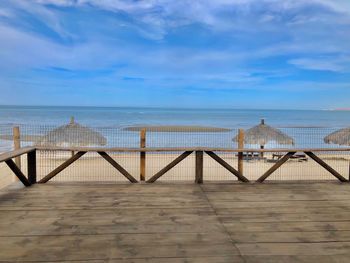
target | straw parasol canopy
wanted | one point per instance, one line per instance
(176, 128)
(263, 134)
(340, 137)
(73, 135)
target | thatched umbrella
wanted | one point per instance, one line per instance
(262, 134)
(72, 135)
(340, 137)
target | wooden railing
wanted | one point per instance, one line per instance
(31, 163)
(185, 152)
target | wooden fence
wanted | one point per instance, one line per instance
(31, 178)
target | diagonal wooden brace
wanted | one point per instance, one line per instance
(227, 166)
(118, 167)
(169, 166)
(326, 166)
(17, 172)
(275, 166)
(62, 167)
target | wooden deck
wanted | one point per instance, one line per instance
(174, 223)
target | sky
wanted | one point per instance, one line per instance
(268, 54)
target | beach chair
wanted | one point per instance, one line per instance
(300, 157)
(250, 156)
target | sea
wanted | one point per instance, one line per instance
(307, 127)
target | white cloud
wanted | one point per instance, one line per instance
(334, 64)
(157, 17)
(170, 13)
(256, 22)
(341, 6)
(57, 2)
(24, 50)
(6, 13)
(39, 12)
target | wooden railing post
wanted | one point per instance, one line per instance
(31, 162)
(142, 155)
(199, 167)
(240, 154)
(16, 146)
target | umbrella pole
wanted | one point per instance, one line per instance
(262, 154)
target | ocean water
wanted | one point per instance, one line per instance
(307, 127)
(121, 117)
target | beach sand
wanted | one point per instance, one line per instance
(91, 167)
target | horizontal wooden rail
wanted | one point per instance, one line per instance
(12, 154)
(189, 149)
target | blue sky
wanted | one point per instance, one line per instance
(291, 54)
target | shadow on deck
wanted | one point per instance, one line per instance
(214, 222)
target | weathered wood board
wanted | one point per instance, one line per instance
(213, 222)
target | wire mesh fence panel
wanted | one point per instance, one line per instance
(6, 176)
(78, 135)
(92, 167)
(299, 167)
(192, 139)
(302, 137)
(7, 144)
(183, 171)
(213, 171)
(6, 138)
(49, 135)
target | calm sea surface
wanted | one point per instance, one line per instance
(307, 127)
(121, 117)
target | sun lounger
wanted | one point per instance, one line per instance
(248, 156)
(300, 157)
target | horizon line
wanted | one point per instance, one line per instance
(168, 107)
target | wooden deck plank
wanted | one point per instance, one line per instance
(294, 259)
(290, 237)
(300, 248)
(216, 259)
(101, 247)
(239, 227)
(176, 223)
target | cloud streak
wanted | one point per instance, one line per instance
(163, 44)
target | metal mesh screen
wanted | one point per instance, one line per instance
(91, 167)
